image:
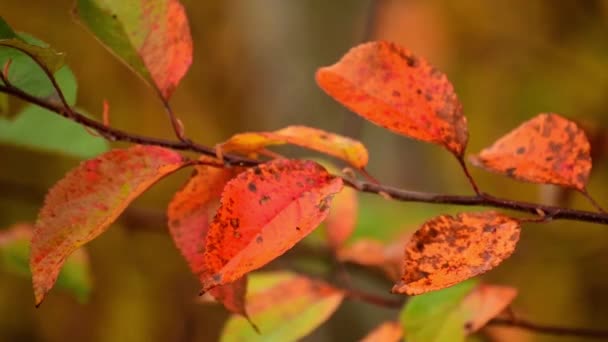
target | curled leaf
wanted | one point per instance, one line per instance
(264, 211)
(87, 200)
(285, 306)
(393, 88)
(447, 250)
(547, 149)
(347, 149)
(189, 215)
(150, 36)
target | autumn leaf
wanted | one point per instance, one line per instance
(547, 149)
(75, 277)
(484, 303)
(285, 306)
(393, 88)
(264, 212)
(150, 36)
(347, 149)
(447, 250)
(386, 332)
(87, 200)
(189, 215)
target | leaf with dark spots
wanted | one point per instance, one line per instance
(389, 86)
(347, 149)
(228, 258)
(87, 200)
(461, 247)
(189, 215)
(547, 149)
(151, 36)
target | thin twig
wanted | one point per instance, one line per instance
(591, 200)
(550, 329)
(465, 169)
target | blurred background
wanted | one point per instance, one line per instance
(254, 70)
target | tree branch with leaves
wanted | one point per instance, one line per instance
(245, 205)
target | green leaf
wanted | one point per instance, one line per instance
(75, 277)
(437, 316)
(151, 36)
(285, 307)
(40, 129)
(24, 73)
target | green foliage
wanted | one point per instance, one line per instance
(39, 129)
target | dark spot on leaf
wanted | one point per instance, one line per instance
(259, 239)
(420, 246)
(323, 136)
(418, 91)
(257, 171)
(217, 277)
(396, 93)
(468, 326)
(251, 186)
(264, 199)
(510, 171)
(485, 255)
(298, 228)
(489, 229)
(520, 150)
(234, 222)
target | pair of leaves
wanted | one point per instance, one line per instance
(263, 212)
(87, 200)
(393, 88)
(453, 313)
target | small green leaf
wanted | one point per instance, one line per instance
(23, 72)
(285, 307)
(39, 129)
(75, 277)
(436, 316)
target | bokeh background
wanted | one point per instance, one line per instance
(254, 70)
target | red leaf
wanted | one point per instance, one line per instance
(546, 149)
(87, 200)
(264, 211)
(447, 250)
(389, 86)
(189, 215)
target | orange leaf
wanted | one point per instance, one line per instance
(264, 211)
(486, 302)
(546, 149)
(189, 215)
(87, 200)
(447, 250)
(347, 149)
(389, 86)
(386, 332)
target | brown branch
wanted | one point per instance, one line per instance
(549, 329)
(482, 199)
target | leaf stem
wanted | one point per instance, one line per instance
(465, 169)
(597, 206)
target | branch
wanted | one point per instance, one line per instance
(481, 199)
(550, 329)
